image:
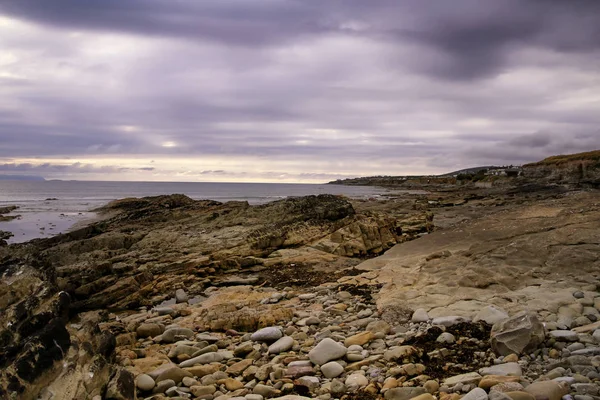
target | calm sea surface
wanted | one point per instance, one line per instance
(51, 207)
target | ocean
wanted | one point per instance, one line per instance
(47, 208)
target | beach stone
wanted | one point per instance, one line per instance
(175, 334)
(519, 333)
(243, 349)
(149, 330)
(420, 315)
(379, 326)
(202, 370)
(206, 337)
(596, 335)
(173, 373)
(564, 336)
(476, 394)
(231, 384)
(404, 393)
(332, 370)
(310, 382)
(165, 311)
(546, 390)
(356, 381)
(327, 350)
(494, 395)
(283, 344)
(492, 380)
(520, 395)
(431, 386)
(202, 359)
(507, 387)
(424, 396)
(203, 390)
(508, 369)
(337, 387)
(187, 381)
(181, 296)
(312, 321)
(446, 337)
(359, 339)
(182, 349)
(287, 397)
(511, 358)
(239, 367)
(491, 315)
(469, 378)
(591, 389)
(399, 353)
(297, 371)
(269, 334)
(162, 387)
(208, 349)
(265, 391)
(144, 382)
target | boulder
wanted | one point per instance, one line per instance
(520, 333)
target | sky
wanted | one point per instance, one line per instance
(293, 90)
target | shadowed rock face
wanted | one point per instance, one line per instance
(147, 249)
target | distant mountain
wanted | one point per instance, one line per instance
(21, 178)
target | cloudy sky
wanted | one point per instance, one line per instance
(293, 90)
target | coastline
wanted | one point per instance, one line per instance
(389, 280)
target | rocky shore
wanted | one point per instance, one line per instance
(329, 342)
(174, 298)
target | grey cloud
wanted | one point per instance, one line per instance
(466, 38)
(343, 86)
(532, 147)
(48, 168)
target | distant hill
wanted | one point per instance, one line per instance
(472, 170)
(582, 169)
(21, 178)
(588, 156)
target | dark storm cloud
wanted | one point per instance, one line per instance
(461, 39)
(233, 21)
(322, 88)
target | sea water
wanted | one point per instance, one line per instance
(47, 208)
